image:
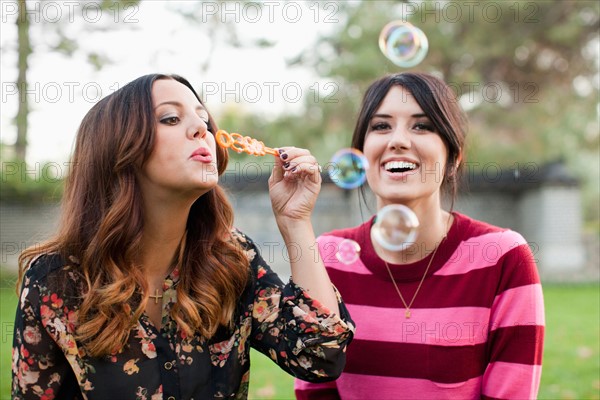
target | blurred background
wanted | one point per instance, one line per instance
(293, 73)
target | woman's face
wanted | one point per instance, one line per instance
(183, 161)
(407, 157)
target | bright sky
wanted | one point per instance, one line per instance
(153, 38)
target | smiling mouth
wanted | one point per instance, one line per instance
(399, 166)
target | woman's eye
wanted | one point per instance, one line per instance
(204, 117)
(424, 127)
(379, 126)
(170, 120)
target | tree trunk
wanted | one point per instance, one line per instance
(24, 51)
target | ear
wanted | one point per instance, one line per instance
(452, 170)
(458, 160)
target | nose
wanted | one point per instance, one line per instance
(198, 129)
(400, 139)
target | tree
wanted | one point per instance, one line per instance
(526, 72)
(65, 44)
(24, 49)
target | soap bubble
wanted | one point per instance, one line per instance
(395, 227)
(348, 168)
(348, 251)
(403, 43)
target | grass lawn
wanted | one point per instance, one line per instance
(571, 356)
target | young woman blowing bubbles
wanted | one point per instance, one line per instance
(147, 291)
(459, 313)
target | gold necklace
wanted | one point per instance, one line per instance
(180, 249)
(407, 306)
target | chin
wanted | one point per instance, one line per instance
(208, 182)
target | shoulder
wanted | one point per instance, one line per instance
(240, 237)
(247, 246)
(52, 272)
(353, 233)
(494, 245)
(45, 266)
(242, 240)
(481, 231)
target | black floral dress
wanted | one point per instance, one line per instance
(281, 321)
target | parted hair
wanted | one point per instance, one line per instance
(440, 105)
(102, 223)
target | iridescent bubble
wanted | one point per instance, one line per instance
(395, 227)
(403, 43)
(348, 251)
(348, 168)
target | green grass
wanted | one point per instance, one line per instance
(571, 368)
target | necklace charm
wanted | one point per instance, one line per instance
(407, 306)
(156, 296)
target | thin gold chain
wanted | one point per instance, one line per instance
(407, 306)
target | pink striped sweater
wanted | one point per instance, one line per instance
(476, 329)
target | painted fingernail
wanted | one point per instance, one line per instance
(284, 156)
(286, 164)
(294, 169)
(280, 151)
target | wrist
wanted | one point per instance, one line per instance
(293, 229)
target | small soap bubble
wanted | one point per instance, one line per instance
(348, 168)
(403, 43)
(348, 251)
(395, 227)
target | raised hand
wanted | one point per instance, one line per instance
(294, 185)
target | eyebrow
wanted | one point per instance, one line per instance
(389, 116)
(199, 107)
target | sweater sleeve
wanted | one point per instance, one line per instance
(516, 331)
(316, 391)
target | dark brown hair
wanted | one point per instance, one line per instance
(102, 227)
(440, 105)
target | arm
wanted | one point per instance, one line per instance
(516, 336)
(296, 331)
(294, 186)
(39, 366)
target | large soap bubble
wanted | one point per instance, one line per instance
(395, 227)
(348, 168)
(403, 43)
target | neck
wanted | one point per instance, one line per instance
(164, 230)
(433, 228)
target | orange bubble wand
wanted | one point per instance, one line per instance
(243, 144)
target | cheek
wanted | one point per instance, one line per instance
(211, 142)
(370, 149)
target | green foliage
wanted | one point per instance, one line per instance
(31, 184)
(524, 70)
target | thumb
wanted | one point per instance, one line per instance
(278, 171)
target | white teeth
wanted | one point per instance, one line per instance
(399, 165)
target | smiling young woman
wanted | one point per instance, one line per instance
(459, 312)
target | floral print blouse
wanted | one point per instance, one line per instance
(281, 321)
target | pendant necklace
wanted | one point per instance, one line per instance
(409, 305)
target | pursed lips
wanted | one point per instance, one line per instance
(202, 154)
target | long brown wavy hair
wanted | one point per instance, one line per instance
(101, 225)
